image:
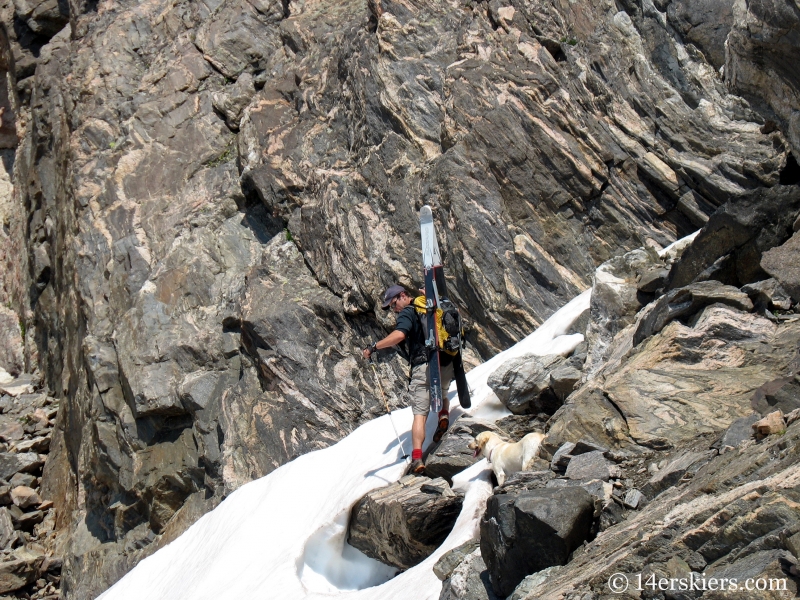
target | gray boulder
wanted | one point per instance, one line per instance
(783, 263)
(591, 465)
(18, 572)
(24, 462)
(523, 384)
(469, 580)
(739, 431)
(525, 533)
(781, 394)
(403, 523)
(562, 457)
(453, 455)
(563, 380)
(454, 557)
(768, 294)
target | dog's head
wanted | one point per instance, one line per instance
(480, 442)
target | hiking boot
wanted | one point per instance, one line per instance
(417, 467)
(441, 429)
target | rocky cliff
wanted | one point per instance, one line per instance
(203, 201)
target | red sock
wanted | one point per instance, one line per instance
(416, 454)
(444, 413)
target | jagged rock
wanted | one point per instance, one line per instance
(39, 445)
(18, 572)
(23, 384)
(633, 499)
(745, 227)
(573, 422)
(25, 479)
(583, 446)
(615, 301)
(516, 427)
(523, 384)
(530, 582)
(5, 494)
(782, 394)
(525, 480)
(686, 301)
(525, 533)
(674, 471)
(232, 101)
(44, 17)
(10, 430)
(403, 523)
(783, 263)
(12, 357)
(772, 424)
(600, 490)
(562, 457)
(6, 528)
(591, 465)
(563, 380)
(452, 558)
(469, 580)
(739, 431)
(705, 24)
(652, 279)
(758, 63)
(25, 521)
(768, 293)
(24, 462)
(452, 455)
(578, 356)
(25, 497)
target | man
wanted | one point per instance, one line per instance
(409, 334)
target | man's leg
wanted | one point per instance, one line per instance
(420, 402)
(418, 431)
(444, 415)
(447, 377)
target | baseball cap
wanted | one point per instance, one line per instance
(390, 295)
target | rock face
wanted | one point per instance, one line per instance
(757, 63)
(403, 523)
(207, 199)
(525, 533)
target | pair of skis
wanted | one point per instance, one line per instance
(435, 297)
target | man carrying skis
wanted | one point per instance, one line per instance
(410, 337)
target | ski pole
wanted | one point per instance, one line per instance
(386, 404)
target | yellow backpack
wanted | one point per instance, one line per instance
(448, 323)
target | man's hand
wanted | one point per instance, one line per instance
(390, 340)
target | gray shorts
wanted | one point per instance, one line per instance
(418, 396)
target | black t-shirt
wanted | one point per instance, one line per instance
(410, 323)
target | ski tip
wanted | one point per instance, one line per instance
(425, 214)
